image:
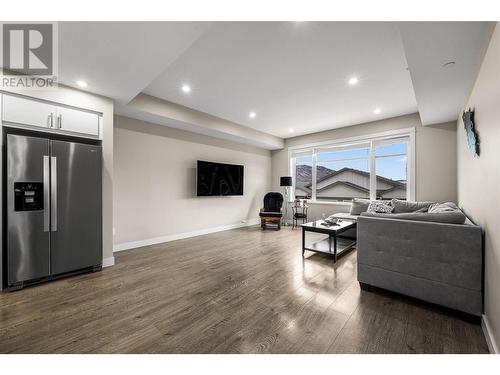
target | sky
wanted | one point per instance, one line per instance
(393, 167)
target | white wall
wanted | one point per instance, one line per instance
(436, 168)
(155, 193)
(479, 177)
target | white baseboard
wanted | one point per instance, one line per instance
(180, 236)
(490, 339)
(108, 262)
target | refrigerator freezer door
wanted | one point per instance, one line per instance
(76, 239)
(28, 242)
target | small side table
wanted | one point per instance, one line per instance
(299, 213)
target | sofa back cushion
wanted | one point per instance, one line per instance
(401, 206)
(359, 205)
(451, 217)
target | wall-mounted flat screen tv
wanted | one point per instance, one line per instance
(216, 179)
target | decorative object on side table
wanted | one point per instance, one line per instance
(271, 213)
(329, 221)
(470, 131)
(285, 183)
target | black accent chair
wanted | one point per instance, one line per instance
(271, 213)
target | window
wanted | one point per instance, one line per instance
(373, 168)
(391, 170)
(343, 174)
(303, 176)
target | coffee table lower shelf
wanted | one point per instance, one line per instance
(337, 242)
(326, 246)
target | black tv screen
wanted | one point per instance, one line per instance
(215, 179)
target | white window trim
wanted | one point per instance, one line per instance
(314, 175)
(292, 172)
(369, 138)
(373, 176)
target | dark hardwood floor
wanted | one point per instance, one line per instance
(239, 291)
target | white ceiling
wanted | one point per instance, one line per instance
(292, 74)
(442, 91)
(119, 59)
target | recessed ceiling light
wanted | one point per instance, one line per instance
(81, 83)
(252, 114)
(186, 88)
(353, 80)
(377, 111)
(291, 130)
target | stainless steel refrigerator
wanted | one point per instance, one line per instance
(54, 215)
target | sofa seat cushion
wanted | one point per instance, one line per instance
(270, 214)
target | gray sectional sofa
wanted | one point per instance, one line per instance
(430, 251)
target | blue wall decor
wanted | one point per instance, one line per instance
(470, 131)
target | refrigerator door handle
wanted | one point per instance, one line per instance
(53, 193)
(46, 193)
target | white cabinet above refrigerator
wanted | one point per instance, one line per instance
(28, 112)
(76, 121)
(45, 116)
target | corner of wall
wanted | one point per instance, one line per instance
(108, 262)
(488, 334)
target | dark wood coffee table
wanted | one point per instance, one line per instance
(341, 243)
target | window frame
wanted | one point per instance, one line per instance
(373, 140)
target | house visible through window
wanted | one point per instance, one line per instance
(372, 169)
(303, 176)
(342, 175)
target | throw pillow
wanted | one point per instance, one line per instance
(443, 207)
(359, 205)
(382, 207)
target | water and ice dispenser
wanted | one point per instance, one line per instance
(28, 196)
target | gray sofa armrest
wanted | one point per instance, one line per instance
(444, 253)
